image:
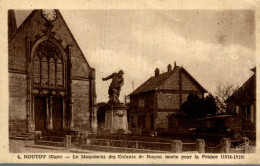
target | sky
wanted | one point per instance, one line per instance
(214, 46)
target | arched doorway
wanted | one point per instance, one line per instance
(49, 91)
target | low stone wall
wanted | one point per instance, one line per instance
(120, 149)
(52, 140)
(228, 146)
(182, 135)
(176, 146)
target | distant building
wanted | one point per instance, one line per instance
(243, 103)
(160, 96)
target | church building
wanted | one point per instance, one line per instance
(51, 84)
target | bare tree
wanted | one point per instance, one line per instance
(224, 91)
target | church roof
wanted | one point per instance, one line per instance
(154, 82)
(12, 17)
(29, 17)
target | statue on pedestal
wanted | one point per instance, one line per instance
(116, 115)
(115, 86)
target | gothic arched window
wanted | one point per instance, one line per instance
(48, 65)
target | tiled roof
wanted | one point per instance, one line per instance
(154, 82)
(240, 92)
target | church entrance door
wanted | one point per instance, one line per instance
(49, 82)
(40, 113)
(57, 113)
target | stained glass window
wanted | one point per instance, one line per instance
(52, 71)
(59, 73)
(48, 65)
(36, 69)
(44, 71)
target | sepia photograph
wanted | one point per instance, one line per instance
(113, 83)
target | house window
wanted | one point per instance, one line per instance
(141, 103)
(237, 110)
(48, 65)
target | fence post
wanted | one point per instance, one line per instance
(136, 144)
(67, 141)
(108, 142)
(200, 145)
(37, 136)
(225, 145)
(81, 140)
(176, 146)
(245, 141)
(88, 141)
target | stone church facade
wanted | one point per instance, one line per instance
(51, 84)
(160, 96)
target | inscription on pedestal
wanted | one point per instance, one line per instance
(116, 117)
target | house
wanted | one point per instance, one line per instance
(51, 84)
(161, 96)
(243, 103)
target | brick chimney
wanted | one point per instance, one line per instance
(169, 67)
(175, 64)
(156, 72)
(253, 69)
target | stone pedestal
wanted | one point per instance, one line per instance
(116, 117)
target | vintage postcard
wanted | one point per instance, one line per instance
(156, 81)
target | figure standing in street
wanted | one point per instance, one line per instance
(115, 86)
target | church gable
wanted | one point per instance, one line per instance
(33, 29)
